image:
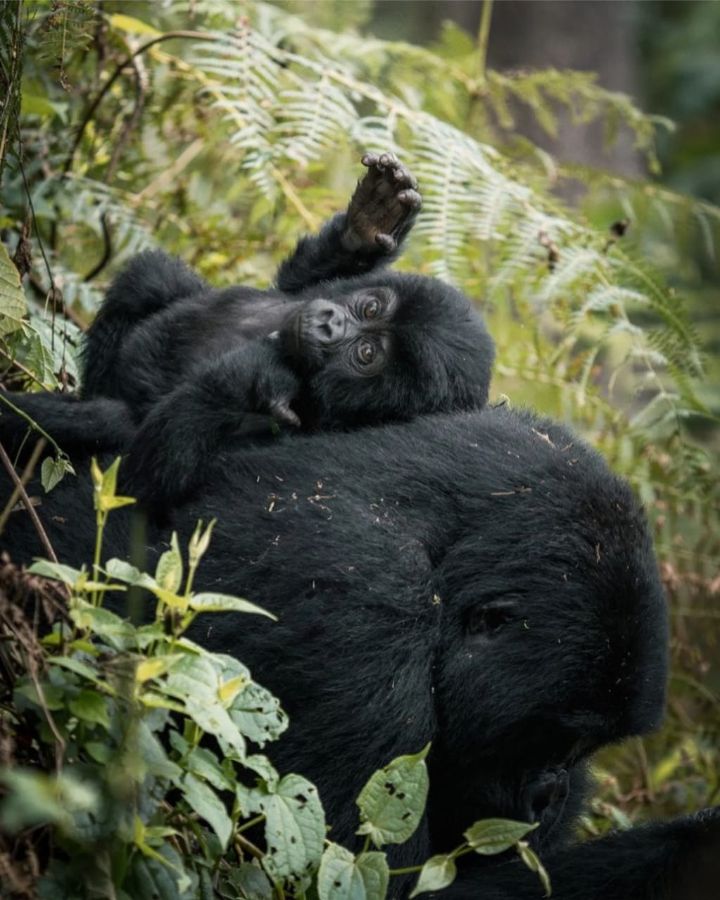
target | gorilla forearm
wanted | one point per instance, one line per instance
(176, 446)
(379, 217)
(92, 426)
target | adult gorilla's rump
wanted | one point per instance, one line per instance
(481, 581)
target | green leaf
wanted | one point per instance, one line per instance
(343, 877)
(532, 861)
(53, 470)
(393, 801)
(249, 882)
(99, 751)
(79, 668)
(103, 623)
(491, 836)
(169, 571)
(90, 707)
(123, 571)
(159, 877)
(208, 602)
(294, 826)
(258, 714)
(52, 695)
(34, 798)
(155, 666)
(104, 487)
(438, 872)
(12, 298)
(206, 803)
(132, 25)
(56, 571)
(203, 763)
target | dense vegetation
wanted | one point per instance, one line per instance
(222, 138)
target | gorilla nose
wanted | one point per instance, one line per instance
(328, 322)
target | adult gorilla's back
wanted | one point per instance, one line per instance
(482, 581)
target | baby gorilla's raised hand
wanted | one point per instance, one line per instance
(384, 206)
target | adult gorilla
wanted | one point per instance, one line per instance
(481, 581)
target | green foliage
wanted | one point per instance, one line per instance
(157, 780)
(227, 141)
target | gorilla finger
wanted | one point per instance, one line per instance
(410, 198)
(405, 177)
(386, 241)
(369, 160)
(282, 412)
(388, 159)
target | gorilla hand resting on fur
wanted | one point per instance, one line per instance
(337, 344)
(481, 581)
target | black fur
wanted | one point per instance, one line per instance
(186, 363)
(481, 581)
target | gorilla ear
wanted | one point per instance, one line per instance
(487, 619)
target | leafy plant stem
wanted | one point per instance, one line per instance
(483, 37)
(250, 823)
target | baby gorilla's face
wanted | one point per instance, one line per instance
(351, 332)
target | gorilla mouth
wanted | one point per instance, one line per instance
(302, 353)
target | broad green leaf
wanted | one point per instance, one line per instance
(12, 298)
(123, 571)
(262, 766)
(250, 882)
(99, 751)
(171, 599)
(213, 719)
(35, 105)
(52, 695)
(90, 707)
(153, 755)
(169, 571)
(203, 763)
(207, 602)
(159, 701)
(343, 877)
(132, 25)
(34, 798)
(438, 872)
(255, 711)
(294, 826)
(56, 571)
(532, 861)
(159, 876)
(258, 714)
(155, 666)
(229, 689)
(80, 668)
(103, 623)
(491, 836)
(53, 470)
(393, 801)
(206, 803)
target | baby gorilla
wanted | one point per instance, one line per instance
(172, 366)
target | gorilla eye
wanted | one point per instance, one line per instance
(371, 309)
(489, 618)
(366, 353)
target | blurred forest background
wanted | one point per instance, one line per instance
(569, 158)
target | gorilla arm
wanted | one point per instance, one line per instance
(77, 426)
(178, 439)
(369, 234)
